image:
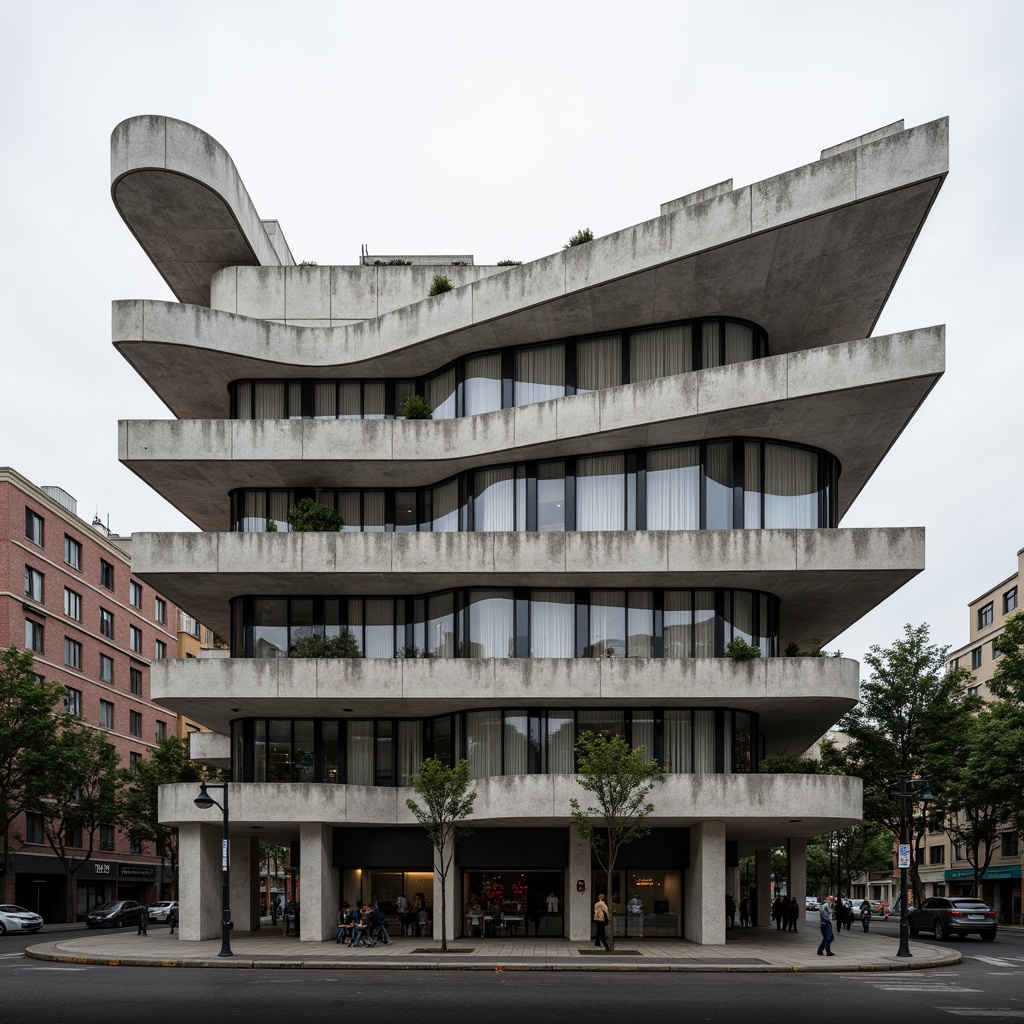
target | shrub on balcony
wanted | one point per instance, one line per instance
(318, 646)
(308, 516)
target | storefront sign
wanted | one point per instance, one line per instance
(137, 871)
(101, 869)
(991, 875)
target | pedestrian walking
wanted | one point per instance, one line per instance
(172, 918)
(602, 915)
(865, 915)
(825, 917)
(144, 920)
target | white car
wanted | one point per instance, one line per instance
(158, 911)
(18, 919)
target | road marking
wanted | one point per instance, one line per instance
(10, 956)
(997, 961)
(961, 1011)
(68, 967)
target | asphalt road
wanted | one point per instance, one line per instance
(987, 986)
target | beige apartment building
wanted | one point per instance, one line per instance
(944, 871)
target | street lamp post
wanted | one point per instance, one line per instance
(906, 798)
(204, 802)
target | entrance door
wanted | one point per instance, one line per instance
(513, 904)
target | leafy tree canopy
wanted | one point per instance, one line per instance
(318, 646)
(308, 516)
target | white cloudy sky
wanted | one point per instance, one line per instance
(498, 130)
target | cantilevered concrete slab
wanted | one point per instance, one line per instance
(769, 808)
(811, 255)
(858, 569)
(798, 699)
(851, 399)
(181, 196)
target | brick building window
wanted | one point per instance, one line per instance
(106, 669)
(135, 594)
(107, 838)
(161, 731)
(34, 527)
(72, 653)
(33, 827)
(106, 714)
(134, 759)
(161, 610)
(33, 583)
(135, 723)
(107, 623)
(135, 639)
(73, 701)
(135, 675)
(72, 552)
(106, 575)
(72, 605)
(33, 636)
(160, 650)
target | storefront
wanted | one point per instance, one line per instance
(1000, 889)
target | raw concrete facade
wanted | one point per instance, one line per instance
(608, 605)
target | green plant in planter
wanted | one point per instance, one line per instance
(308, 516)
(740, 650)
(509, 263)
(581, 236)
(440, 285)
(415, 407)
(318, 646)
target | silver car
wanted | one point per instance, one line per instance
(17, 919)
(159, 911)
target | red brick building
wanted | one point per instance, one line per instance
(67, 593)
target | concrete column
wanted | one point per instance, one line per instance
(199, 881)
(321, 896)
(796, 855)
(578, 907)
(763, 876)
(704, 915)
(245, 883)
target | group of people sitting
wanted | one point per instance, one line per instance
(362, 926)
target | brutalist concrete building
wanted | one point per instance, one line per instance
(642, 449)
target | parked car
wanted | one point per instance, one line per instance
(160, 910)
(17, 919)
(944, 916)
(115, 914)
(811, 903)
(879, 908)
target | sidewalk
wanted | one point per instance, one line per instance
(746, 949)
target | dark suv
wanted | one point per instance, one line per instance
(115, 914)
(943, 916)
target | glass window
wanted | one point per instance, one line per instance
(280, 737)
(482, 384)
(607, 624)
(553, 624)
(135, 723)
(410, 751)
(350, 405)
(73, 701)
(373, 400)
(704, 741)
(540, 374)
(107, 623)
(107, 838)
(106, 669)
(34, 527)
(406, 518)
(72, 653)
(33, 583)
(379, 640)
(976, 658)
(72, 552)
(517, 743)
(739, 616)
(135, 639)
(678, 742)
(739, 343)
(161, 731)
(72, 605)
(483, 743)
(599, 363)
(790, 488)
(641, 625)
(719, 477)
(711, 345)
(106, 714)
(673, 488)
(491, 632)
(160, 611)
(551, 496)
(985, 615)
(752, 486)
(106, 575)
(359, 751)
(441, 626)
(325, 400)
(561, 736)
(159, 650)
(494, 502)
(33, 636)
(303, 758)
(374, 520)
(704, 623)
(743, 742)
(269, 400)
(135, 676)
(602, 721)
(662, 352)
(440, 393)
(270, 629)
(601, 493)
(135, 594)
(445, 506)
(678, 624)
(1009, 600)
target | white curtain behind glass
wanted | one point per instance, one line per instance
(662, 352)
(373, 511)
(483, 743)
(516, 742)
(704, 741)
(678, 747)
(349, 507)
(643, 731)
(552, 624)
(325, 400)
(599, 363)
(739, 343)
(410, 750)
(678, 624)
(482, 384)
(269, 402)
(641, 624)
(710, 345)
(540, 374)
(441, 626)
(790, 487)
(491, 633)
(243, 400)
(494, 506)
(752, 485)
(601, 493)
(560, 743)
(280, 502)
(704, 623)
(607, 624)
(440, 393)
(673, 488)
(380, 628)
(445, 503)
(360, 753)
(351, 405)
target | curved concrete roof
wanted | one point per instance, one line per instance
(811, 255)
(202, 572)
(767, 809)
(852, 399)
(798, 699)
(181, 196)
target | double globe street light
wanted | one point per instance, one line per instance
(204, 802)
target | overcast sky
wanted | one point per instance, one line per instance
(499, 130)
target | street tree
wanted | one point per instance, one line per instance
(909, 702)
(621, 781)
(77, 797)
(168, 763)
(447, 803)
(30, 715)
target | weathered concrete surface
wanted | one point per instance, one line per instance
(852, 399)
(201, 572)
(811, 255)
(180, 194)
(797, 699)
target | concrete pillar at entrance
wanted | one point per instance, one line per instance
(763, 873)
(245, 883)
(199, 881)
(321, 896)
(796, 854)
(578, 906)
(704, 919)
